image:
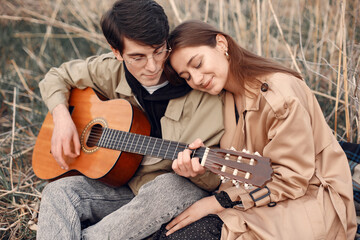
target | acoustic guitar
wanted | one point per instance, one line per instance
(114, 138)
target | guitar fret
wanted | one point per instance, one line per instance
(147, 146)
(121, 142)
(117, 141)
(112, 141)
(125, 142)
(160, 148)
(173, 157)
(136, 144)
(142, 144)
(129, 144)
(132, 140)
(167, 149)
(151, 154)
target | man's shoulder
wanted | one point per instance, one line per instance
(107, 56)
(104, 64)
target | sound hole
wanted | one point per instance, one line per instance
(94, 135)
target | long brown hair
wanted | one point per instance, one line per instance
(245, 66)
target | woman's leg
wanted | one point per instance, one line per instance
(207, 228)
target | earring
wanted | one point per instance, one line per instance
(226, 54)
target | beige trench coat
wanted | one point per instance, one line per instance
(192, 116)
(311, 184)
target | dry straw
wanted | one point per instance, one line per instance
(319, 39)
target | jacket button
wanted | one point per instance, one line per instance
(264, 87)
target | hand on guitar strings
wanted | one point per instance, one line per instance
(65, 143)
(186, 166)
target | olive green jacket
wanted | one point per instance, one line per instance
(195, 115)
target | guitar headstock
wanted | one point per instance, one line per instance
(250, 169)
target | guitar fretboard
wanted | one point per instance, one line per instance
(144, 145)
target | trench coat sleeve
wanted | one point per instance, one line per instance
(98, 72)
(291, 150)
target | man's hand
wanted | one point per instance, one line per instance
(65, 143)
(186, 166)
(200, 209)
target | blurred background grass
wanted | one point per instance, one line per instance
(319, 38)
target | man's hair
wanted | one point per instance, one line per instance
(143, 21)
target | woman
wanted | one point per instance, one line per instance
(269, 110)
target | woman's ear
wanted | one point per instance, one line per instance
(221, 42)
(116, 53)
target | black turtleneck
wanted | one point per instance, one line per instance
(155, 104)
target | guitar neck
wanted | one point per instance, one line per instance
(144, 145)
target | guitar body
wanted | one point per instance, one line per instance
(110, 166)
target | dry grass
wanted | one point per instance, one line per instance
(320, 39)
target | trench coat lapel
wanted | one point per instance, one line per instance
(234, 132)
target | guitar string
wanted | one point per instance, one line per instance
(209, 163)
(130, 146)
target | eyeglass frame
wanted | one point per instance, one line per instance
(131, 61)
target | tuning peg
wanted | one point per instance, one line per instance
(258, 154)
(224, 179)
(248, 186)
(236, 183)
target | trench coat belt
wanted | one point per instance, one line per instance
(335, 199)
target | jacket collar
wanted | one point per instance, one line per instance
(250, 102)
(123, 87)
(174, 108)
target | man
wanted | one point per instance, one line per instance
(77, 207)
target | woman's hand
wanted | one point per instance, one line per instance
(186, 166)
(200, 209)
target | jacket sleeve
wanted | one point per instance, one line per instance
(97, 72)
(291, 150)
(207, 124)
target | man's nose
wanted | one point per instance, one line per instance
(150, 65)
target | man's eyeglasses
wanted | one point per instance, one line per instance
(142, 61)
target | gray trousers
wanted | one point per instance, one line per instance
(80, 208)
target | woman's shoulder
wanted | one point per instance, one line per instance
(284, 82)
(283, 90)
(286, 85)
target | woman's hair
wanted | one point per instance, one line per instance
(245, 66)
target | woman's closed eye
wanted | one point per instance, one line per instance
(198, 64)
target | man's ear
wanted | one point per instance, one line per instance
(116, 53)
(221, 42)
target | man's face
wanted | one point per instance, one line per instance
(149, 72)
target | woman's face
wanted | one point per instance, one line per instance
(204, 68)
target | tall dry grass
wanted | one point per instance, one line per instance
(320, 39)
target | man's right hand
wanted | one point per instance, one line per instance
(65, 143)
